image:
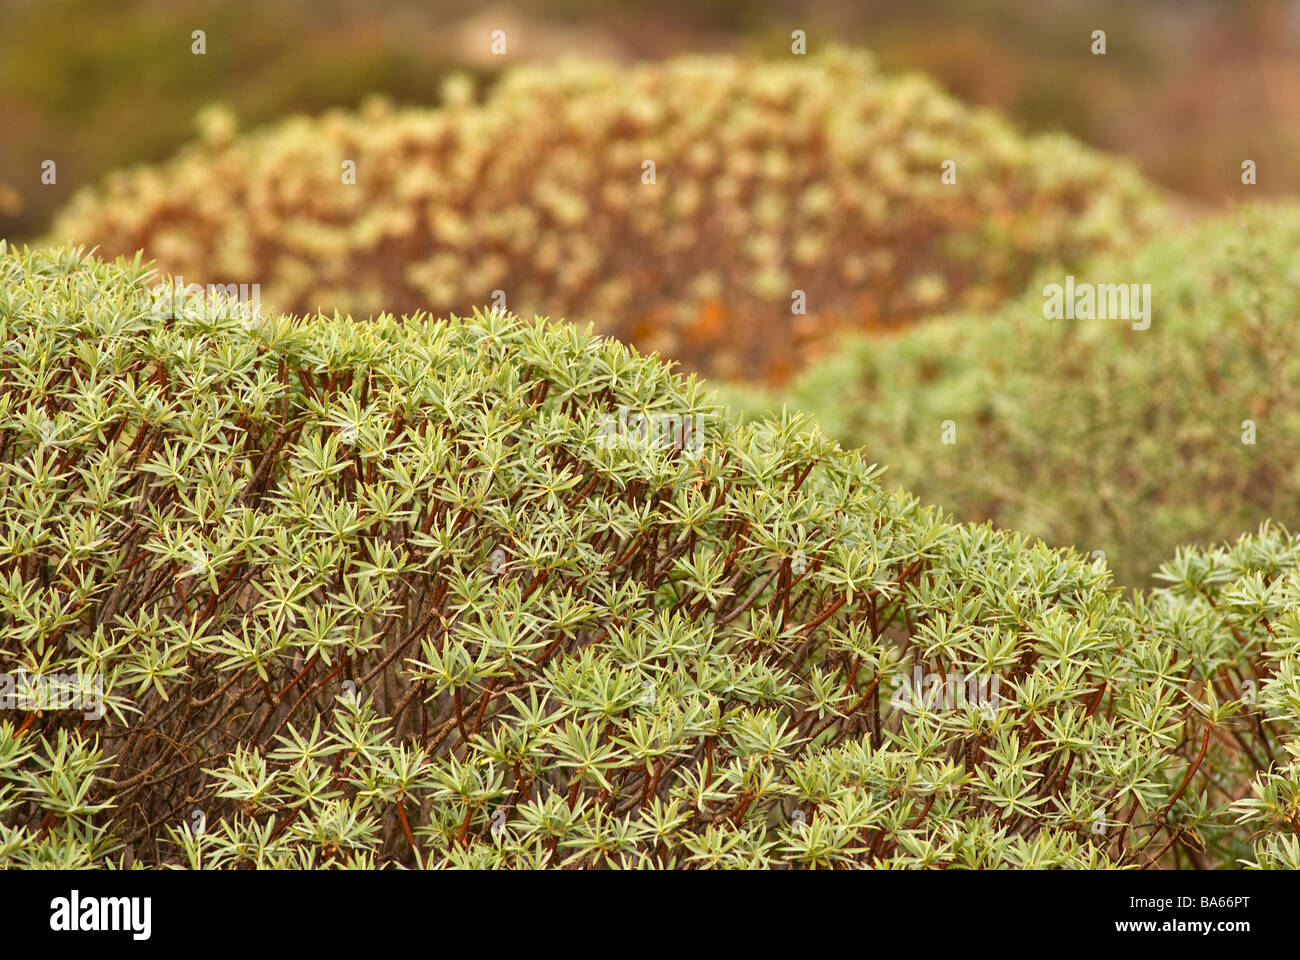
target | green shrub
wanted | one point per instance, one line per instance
(1235, 610)
(812, 173)
(394, 592)
(1089, 432)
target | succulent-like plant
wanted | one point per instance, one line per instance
(728, 213)
(376, 593)
(1234, 610)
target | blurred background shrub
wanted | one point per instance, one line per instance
(1089, 432)
(807, 177)
(1188, 89)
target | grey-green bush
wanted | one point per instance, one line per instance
(1088, 432)
(478, 592)
(1234, 610)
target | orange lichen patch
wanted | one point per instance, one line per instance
(708, 326)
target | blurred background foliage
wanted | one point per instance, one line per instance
(783, 177)
(1086, 431)
(1188, 89)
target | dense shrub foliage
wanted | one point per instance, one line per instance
(393, 593)
(1236, 611)
(1089, 432)
(811, 174)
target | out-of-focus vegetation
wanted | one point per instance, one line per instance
(774, 182)
(1188, 89)
(94, 86)
(388, 592)
(1088, 432)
